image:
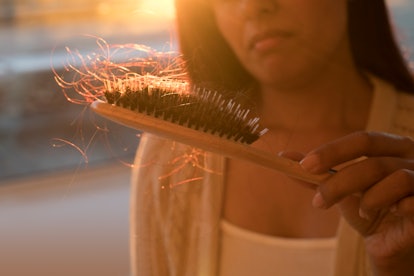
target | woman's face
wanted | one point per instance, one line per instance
(285, 43)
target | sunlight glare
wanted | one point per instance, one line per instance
(159, 8)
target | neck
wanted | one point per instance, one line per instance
(339, 101)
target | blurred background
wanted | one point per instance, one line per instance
(64, 182)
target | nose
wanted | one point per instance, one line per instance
(251, 9)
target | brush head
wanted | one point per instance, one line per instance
(174, 101)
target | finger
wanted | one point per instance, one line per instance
(354, 146)
(405, 207)
(359, 178)
(389, 192)
(292, 155)
(296, 156)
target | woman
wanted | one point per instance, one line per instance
(323, 75)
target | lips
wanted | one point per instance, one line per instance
(268, 39)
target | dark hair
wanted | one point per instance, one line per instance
(209, 59)
(207, 55)
(374, 45)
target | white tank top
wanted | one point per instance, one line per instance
(247, 253)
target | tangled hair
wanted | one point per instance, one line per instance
(210, 60)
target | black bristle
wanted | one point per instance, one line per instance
(202, 110)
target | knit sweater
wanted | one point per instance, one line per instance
(177, 191)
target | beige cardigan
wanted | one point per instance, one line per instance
(177, 196)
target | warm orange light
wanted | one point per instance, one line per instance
(159, 8)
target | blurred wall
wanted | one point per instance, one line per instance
(66, 224)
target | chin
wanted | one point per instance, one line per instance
(279, 78)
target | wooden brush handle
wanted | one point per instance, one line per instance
(204, 141)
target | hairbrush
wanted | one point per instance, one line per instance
(198, 117)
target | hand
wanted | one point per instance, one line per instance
(375, 194)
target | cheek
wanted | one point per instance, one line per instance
(322, 35)
(325, 26)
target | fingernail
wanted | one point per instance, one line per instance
(363, 214)
(394, 210)
(310, 163)
(281, 153)
(318, 201)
